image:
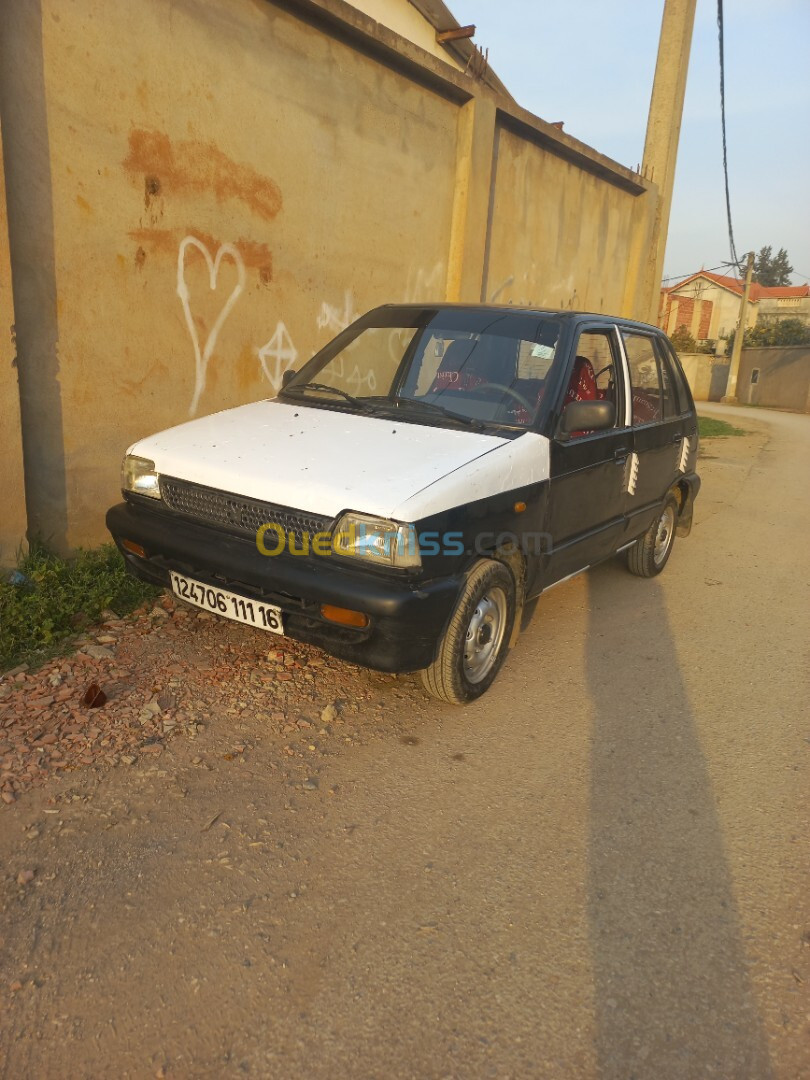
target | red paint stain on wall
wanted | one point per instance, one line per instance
(255, 255)
(198, 166)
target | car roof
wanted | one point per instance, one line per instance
(514, 309)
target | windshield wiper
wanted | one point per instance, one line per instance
(471, 421)
(324, 388)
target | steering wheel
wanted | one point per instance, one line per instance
(504, 390)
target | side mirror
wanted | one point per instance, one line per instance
(286, 376)
(588, 416)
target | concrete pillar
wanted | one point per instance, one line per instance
(13, 520)
(31, 247)
(640, 301)
(475, 176)
(664, 129)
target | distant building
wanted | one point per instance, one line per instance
(708, 305)
(426, 23)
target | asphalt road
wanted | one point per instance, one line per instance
(597, 871)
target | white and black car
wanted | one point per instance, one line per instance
(418, 481)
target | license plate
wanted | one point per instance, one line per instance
(227, 604)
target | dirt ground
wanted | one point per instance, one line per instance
(256, 860)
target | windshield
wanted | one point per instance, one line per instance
(472, 366)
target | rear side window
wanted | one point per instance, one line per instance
(670, 398)
(678, 377)
(653, 394)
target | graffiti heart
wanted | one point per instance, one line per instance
(203, 353)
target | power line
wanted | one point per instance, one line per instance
(732, 248)
(692, 273)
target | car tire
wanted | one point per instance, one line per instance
(650, 553)
(476, 641)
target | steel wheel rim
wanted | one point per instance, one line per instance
(664, 534)
(484, 635)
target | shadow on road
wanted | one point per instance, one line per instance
(672, 992)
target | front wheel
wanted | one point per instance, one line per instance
(650, 553)
(476, 640)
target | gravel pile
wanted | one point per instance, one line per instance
(163, 672)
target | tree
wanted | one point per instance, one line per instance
(784, 332)
(770, 269)
(683, 340)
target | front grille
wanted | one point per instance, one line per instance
(236, 513)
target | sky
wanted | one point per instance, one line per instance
(591, 63)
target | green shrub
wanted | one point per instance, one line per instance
(58, 597)
(683, 340)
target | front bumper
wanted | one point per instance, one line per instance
(407, 619)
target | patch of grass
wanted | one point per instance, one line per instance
(709, 428)
(58, 597)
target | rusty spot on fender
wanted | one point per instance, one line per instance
(255, 255)
(199, 166)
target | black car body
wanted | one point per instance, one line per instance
(481, 454)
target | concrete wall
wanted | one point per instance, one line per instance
(560, 235)
(12, 499)
(222, 185)
(783, 381)
(772, 310)
(697, 367)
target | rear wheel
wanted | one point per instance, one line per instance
(476, 641)
(650, 553)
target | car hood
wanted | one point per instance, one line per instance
(320, 460)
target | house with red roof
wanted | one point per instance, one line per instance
(708, 305)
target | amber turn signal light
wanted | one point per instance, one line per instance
(520, 507)
(133, 548)
(344, 616)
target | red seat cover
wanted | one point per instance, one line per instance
(582, 386)
(452, 374)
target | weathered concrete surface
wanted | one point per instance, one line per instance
(204, 193)
(557, 231)
(783, 381)
(599, 870)
(13, 520)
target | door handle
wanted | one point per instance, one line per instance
(678, 438)
(620, 455)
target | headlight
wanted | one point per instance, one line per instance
(381, 542)
(138, 475)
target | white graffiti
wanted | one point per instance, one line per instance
(333, 319)
(504, 285)
(425, 284)
(357, 380)
(203, 355)
(283, 354)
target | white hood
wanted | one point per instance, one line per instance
(318, 460)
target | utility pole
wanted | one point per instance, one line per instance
(734, 367)
(663, 134)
